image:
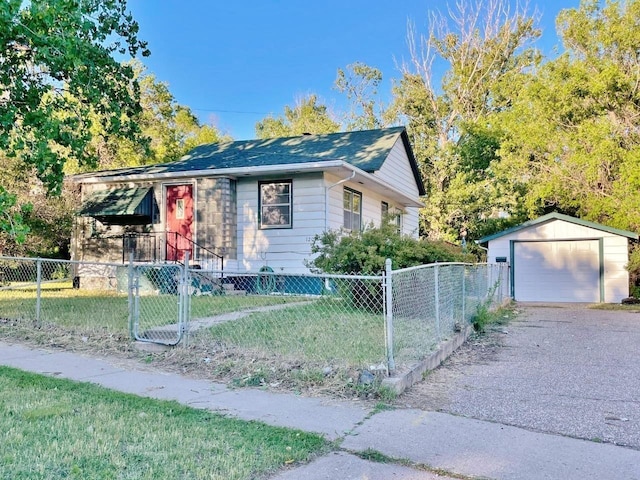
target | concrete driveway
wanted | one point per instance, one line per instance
(563, 369)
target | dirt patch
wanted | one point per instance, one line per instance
(433, 393)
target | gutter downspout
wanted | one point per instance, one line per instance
(326, 200)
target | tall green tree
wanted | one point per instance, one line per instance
(37, 224)
(169, 130)
(484, 48)
(573, 138)
(307, 116)
(57, 67)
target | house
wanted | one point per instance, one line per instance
(558, 258)
(243, 205)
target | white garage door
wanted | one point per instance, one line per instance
(557, 271)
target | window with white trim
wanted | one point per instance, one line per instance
(275, 204)
(352, 205)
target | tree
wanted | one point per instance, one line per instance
(572, 136)
(35, 223)
(169, 129)
(307, 116)
(57, 68)
(11, 219)
(360, 82)
(486, 48)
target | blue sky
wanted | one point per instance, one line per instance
(234, 62)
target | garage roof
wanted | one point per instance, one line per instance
(559, 216)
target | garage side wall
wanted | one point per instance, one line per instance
(614, 252)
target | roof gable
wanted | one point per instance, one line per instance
(364, 149)
(558, 216)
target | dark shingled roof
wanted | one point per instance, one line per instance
(365, 149)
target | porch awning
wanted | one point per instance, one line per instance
(118, 202)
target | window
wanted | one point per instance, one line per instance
(396, 219)
(352, 209)
(275, 204)
(393, 216)
(180, 209)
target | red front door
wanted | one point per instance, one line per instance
(179, 222)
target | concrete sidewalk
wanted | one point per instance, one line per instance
(458, 445)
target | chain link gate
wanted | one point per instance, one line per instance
(158, 302)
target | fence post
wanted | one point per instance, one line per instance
(38, 288)
(389, 313)
(436, 276)
(464, 293)
(184, 298)
(130, 301)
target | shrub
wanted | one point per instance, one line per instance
(634, 271)
(365, 252)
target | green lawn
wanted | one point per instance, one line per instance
(327, 330)
(108, 311)
(58, 429)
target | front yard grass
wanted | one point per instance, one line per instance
(59, 429)
(305, 343)
(325, 330)
(104, 311)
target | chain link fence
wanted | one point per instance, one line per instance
(432, 302)
(41, 301)
(329, 321)
(381, 322)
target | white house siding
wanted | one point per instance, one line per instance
(396, 170)
(335, 213)
(615, 251)
(616, 276)
(410, 222)
(371, 207)
(286, 249)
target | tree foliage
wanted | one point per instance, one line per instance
(12, 218)
(168, 128)
(57, 68)
(573, 139)
(360, 83)
(486, 49)
(307, 116)
(36, 224)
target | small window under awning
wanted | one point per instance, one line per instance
(119, 204)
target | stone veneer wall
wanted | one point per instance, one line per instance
(216, 216)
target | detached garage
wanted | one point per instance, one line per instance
(558, 258)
